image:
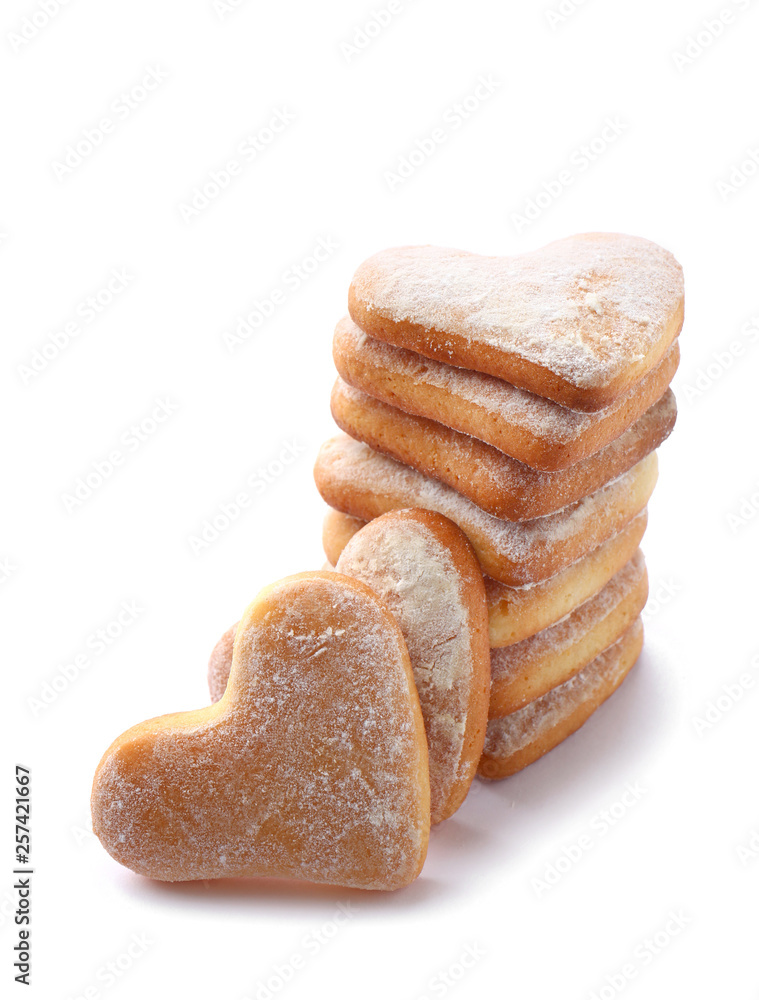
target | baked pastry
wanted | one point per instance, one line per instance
(361, 482)
(426, 571)
(531, 429)
(519, 739)
(498, 484)
(579, 321)
(529, 669)
(220, 663)
(312, 766)
(515, 613)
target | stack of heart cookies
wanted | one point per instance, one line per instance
(501, 418)
(523, 398)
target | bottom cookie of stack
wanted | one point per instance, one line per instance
(522, 737)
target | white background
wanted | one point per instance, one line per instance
(68, 571)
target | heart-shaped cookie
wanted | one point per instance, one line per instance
(423, 567)
(313, 765)
(579, 321)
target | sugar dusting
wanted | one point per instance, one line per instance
(409, 567)
(584, 307)
(220, 662)
(516, 731)
(509, 661)
(311, 765)
(372, 365)
(353, 478)
(499, 484)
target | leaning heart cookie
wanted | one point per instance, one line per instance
(425, 568)
(515, 613)
(313, 765)
(426, 571)
(579, 321)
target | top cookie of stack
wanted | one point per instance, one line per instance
(522, 383)
(580, 321)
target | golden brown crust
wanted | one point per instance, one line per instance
(337, 531)
(450, 778)
(423, 566)
(220, 663)
(353, 478)
(530, 668)
(515, 613)
(579, 321)
(253, 786)
(519, 612)
(517, 740)
(517, 371)
(532, 430)
(496, 483)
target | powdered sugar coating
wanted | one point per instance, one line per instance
(405, 562)
(519, 612)
(515, 732)
(587, 308)
(353, 478)
(220, 663)
(313, 765)
(529, 427)
(499, 484)
(509, 661)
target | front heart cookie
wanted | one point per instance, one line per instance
(579, 321)
(312, 766)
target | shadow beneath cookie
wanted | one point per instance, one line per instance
(275, 895)
(609, 750)
(496, 824)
